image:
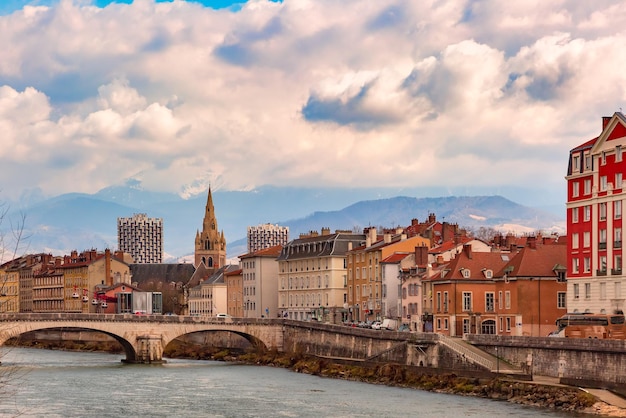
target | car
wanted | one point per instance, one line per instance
(404, 328)
(222, 315)
(377, 325)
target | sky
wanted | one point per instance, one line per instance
(305, 93)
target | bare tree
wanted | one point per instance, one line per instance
(12, 242)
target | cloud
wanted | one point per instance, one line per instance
(304, 93)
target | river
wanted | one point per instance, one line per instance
(79, 384)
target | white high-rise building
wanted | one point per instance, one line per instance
(141, 237)
(266, 235)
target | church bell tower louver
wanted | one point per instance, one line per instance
(210, 247)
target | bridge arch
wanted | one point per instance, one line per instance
(254, 341)
(143, 338)
(16, 332)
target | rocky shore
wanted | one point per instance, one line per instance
(562, 398)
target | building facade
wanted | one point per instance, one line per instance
(312, 276)
(141, 237)
(595, 195)
(372, 296)
(260, 282)
(265, 236)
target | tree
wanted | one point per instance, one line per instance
(12, 242)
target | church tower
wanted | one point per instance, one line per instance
(210, 247)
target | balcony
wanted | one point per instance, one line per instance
(600, 272)
(602, 245)
(616, 272)
(617, 244)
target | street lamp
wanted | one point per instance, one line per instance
(497, 363)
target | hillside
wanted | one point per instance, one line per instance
(82, 221)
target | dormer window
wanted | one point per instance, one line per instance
(488, 274)
(465, 272)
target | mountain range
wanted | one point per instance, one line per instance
(79, 221)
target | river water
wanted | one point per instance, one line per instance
(77, 384)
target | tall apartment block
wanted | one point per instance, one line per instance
(265, 236)
(141, 237)
(595, 196)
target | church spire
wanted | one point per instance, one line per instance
(210, 245)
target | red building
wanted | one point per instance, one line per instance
(594, 220)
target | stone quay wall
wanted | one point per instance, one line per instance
(576, 361)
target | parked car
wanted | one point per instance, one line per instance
(377, 325)
(222, 315)
(404, 328)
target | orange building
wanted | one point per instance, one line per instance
(234, 293)
(519, 293)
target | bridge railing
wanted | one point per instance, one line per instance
(12, 317)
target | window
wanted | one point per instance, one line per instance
(617, 263)
(603, 162)
(500, 299)
(508, 323)
(618, 153)
(602, 290)
(602, 239)
(587, 290)
(603, 183)
(575, 239)
(466, 273)
(618, 180)
(617, 232)
(445, 301)
(603, 263)
(602, 211)
(574, 215)
(507, 300)
(575, 189)
(467, 301)
(617, 209)
(561, 300)
(575, 162)
(438, 323)
(588, 162)
(587, 264)
(576, 291)
(575, 266)
(438, 301)
(445, 323)
(586, 239)
(587, 186)
(489, 302)
(587, 213)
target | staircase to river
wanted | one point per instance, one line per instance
(477, 356)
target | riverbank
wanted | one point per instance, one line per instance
(537, 394)
(557, 397)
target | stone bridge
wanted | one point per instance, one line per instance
(144, 337)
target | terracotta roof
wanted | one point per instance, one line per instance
(535, 262)
(449, 245)
(395, 258)
(476, 264)
(265, 252)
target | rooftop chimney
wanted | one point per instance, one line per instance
(467, 249)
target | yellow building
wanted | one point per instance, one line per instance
(9, 290)
(312, 281)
